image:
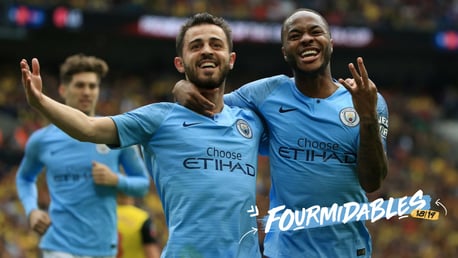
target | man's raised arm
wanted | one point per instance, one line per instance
(372, 159)
(74, 122)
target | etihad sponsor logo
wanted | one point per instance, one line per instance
(72, 177)
(310, 150)
(316, 155)
(220, 160)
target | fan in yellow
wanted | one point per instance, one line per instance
(136, 231)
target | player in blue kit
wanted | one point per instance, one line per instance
(204, 168)
(83, 178)
(334, 152)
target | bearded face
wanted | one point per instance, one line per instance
(207, 73)
(206, 59)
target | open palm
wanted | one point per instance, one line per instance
(31, 81)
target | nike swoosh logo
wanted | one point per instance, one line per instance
(190, 124)
(284, 110)
(53, 152)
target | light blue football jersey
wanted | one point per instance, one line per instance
(313, 152)
(205, 173)
(83, 214)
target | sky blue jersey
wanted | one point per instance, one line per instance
(83, 214)
(205, 172)
(313, 152)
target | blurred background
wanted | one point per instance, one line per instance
(410, 49)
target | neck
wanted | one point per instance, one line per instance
(315, 85)
(215, 96)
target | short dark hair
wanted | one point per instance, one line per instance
(283, 27)
(203, 18)
(82, 63)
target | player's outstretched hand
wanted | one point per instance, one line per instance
(31, 81)
(362, 89)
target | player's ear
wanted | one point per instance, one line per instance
(332, 45)
(62, 89)
(232, 60)
(284, 54)
(178, 61)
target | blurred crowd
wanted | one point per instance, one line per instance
(425, 15)
(420, 158)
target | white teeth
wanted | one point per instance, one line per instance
(309, 53)
(207, 64)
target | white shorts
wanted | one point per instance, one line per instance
(55, 254)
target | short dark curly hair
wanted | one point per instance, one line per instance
(82, 63)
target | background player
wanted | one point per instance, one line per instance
(83, 178)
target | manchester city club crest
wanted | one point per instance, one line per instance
(349, 117)
(244, 128)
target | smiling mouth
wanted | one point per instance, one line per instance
(309, 53)
(207, 65)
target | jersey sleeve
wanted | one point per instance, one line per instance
(253, 94)
(135, 182)
(383, 115)
(27, 173)
(137, 126)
